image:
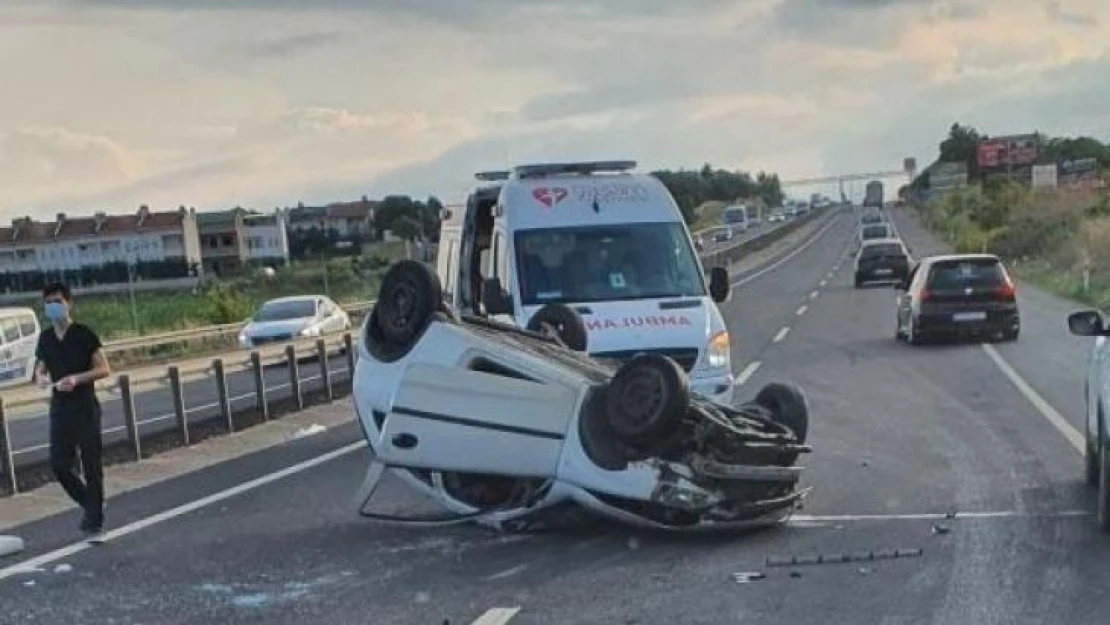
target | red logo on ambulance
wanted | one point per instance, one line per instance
(549, 196)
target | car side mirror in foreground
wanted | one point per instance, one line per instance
(719, 286)
(495, 299)
(1086, 323)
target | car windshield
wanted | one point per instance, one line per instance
(961, 274)
(284, 310)
(871, 218)
(606, 263)
(875, 232)
(882, 249)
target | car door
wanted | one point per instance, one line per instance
(449, 418)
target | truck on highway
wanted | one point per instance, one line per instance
(873, 195)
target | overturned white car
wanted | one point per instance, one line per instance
(511, 427)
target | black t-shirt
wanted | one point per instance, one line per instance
(68, 356)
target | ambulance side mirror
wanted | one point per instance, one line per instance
(495, 299)
(719, 286)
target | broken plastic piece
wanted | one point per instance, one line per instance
(751, 576)
(10, 545)
(940, 529)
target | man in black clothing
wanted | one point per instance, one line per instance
(70, 362)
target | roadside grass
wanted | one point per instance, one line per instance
(1057, 240)
(345, 279)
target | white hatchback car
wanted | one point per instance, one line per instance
(508, 427)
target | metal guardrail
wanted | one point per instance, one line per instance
(126, 386)
(20, 404)
(203, 333)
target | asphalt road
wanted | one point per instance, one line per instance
(900, 433)
(155, 407)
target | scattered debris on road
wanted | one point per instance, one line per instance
(311, 430)
(842, 558)
(63, 568)
(940, 529)
(10, 545)
(748, 577)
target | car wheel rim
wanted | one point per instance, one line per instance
(642, 397)
(403, 300)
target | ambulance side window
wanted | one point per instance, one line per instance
(501, 259)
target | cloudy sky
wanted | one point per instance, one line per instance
(107, 104)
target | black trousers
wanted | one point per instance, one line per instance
(73, 429)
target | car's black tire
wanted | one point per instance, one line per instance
(1104, 488)
(1010, 336)
(565, 321)
(787, 405)
(858, 281)
(646, 399)
(1090, 464)
(409, 295)
(913, 337)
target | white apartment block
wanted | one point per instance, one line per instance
(76, 243)
(266, 237)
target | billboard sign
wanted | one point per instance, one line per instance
(948, 175)
(1044, 176)
(1016, 150)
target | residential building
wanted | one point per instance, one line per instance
(232, 239)
(223, 246)
(267, 240)
(96, 249)
(337, 227)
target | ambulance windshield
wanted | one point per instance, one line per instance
(606, 263)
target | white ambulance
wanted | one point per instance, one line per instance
(607, 242)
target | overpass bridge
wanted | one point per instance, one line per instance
(906, 174)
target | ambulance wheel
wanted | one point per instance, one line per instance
(409, 295)
(787, 406)
(646, 400)
(563, 323)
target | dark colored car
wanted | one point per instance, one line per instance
(965, 295)
(871, 217)
(882, 260)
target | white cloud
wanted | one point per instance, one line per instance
(260, 103)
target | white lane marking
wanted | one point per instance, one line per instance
(496, 616)
(781, 335)
(830, 274)
(507, 573)
(172, 513)
(747, 373)
(813, 295)
(1047, 411)
(801, 310)
(823, 283)
(933, 516)
(780, 262)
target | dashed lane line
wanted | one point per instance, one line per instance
(781, 335)
(823, 283)
(496, 616)
(813, 295)
(782, 261)
(69, 550)
(748, 372)
(801, 310)
(1053, 416)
